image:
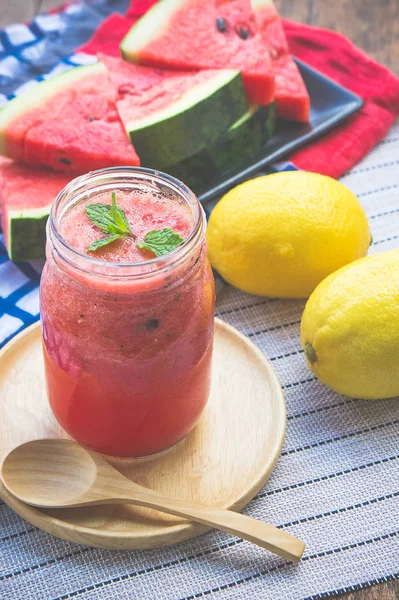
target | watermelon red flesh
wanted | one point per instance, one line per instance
(141, 91)
(4, 162)
(185, 36)
(26, 195)
(190, 38)
(291, 95)
(76, 129)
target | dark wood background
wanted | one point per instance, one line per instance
(371, 24)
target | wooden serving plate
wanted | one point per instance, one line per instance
(223, 462)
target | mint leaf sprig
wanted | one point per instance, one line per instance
(111, 220)
(161, 241)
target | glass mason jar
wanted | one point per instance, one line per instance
(127, 346)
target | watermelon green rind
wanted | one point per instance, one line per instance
(26, 235)
(264, 4)
(191, 122)
(243, 140)
(252, 110)
(145, 30)
(39, 94)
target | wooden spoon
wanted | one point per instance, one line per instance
(60, 473)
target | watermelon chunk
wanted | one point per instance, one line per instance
(68, 122)
(171, 115)
(237, 34)
(26, 196)
(292, 98)
(193, 34)
(241, 142)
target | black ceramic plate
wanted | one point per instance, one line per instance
(330, 104)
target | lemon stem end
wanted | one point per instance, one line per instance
(310, 353)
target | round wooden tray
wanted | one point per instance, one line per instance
(223, 462)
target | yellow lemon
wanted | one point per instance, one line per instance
(350, 326)
(281, 234)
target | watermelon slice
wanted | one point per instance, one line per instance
(68, 122)
(198, 34)
(26, 196)
(292, 98)
(171, 115)
(237, 34)
(242, 141)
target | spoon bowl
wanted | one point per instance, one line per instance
(59, 473)
(47, 472)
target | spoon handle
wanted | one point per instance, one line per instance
(262, 534)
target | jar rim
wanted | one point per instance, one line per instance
(93, 179)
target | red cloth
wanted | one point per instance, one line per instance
(108, 36)
(335, 56)
(328, 52)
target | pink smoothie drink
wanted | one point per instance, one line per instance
(144, 213)
(128, 358)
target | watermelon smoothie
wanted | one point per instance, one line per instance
(127, 335)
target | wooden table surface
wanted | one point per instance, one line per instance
(372, 25)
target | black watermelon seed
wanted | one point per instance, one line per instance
(243, 32)
(221, 24)
(91, 119)
(65, 161)
(152, 323)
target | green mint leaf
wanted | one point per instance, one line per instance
(118, 215)
(99, 214)
(161, 241)
(104, 242)
(114, 211)
(124, 218)
(110, 219)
